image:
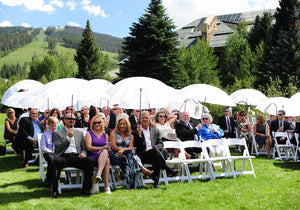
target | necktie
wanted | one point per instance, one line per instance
(280, 123)
(228, 125)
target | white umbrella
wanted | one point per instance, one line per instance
(98, 88)
(15, 100)
(248, 96)
(273, 104)
(59, 94)
(207, 94)
(194, 108)
(141, 92)
(293, 108)
(28, 85)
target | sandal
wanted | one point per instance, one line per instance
(146, 172)
(107, 190)
(98, 178)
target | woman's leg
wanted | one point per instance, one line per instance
(268, 145)
(106, 172)
(102, 161)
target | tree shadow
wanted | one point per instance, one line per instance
(288, 165)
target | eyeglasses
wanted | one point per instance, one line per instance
(10, 112)
(46, 112)
(138, 111)
(97, 123)
(84, 109)
(69, 118)
(114, 109)
(225, 111)
(162, 116)
(242, 115)
(279, 114)
(204, 118)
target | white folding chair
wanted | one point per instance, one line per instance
(244, 157)
(284, 151)
(255, 147)
(297, 151)
(42, 162)
(209, 174)
(214, 144)
(180, 161)
(79, 179)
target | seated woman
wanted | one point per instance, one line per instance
(11, 125)
(262, 133)
(47, 147)
(56, 113)
(122, 144)
(96, 144)
(208, 129)
(244, 129)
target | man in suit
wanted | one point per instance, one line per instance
(113, 117)
(27, 137)
(280, 125)
(70, 151)
(185, 131)
(226, 123)
(133, 119)
(150, 148)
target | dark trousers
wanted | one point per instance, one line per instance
(154, 157)
(49, 158)
(29, 147)
(72, 160)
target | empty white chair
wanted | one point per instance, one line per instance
(284, 151)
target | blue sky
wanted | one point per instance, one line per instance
(115, 17)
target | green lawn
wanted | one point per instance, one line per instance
(276, 186)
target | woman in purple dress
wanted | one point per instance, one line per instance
(97, 147)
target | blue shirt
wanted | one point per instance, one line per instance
(36, 129)
(206, 133)
(46, 141)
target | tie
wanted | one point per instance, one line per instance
(280, 124)
(228, 125)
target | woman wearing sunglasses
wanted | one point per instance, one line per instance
(208, 129)
(244, 129)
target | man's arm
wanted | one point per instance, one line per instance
(61, 143)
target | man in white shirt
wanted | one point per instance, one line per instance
(150, 148)
(70, 151)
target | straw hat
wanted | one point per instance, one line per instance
(171, 137)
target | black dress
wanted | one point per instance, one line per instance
(9, 135)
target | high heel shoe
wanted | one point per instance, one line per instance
(98, 178)
(147, 172)
(107, 190)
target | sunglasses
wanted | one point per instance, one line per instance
(10, 112)
(97, 123)
(162, 116)
(69, 118)
(242, 115)
(204, 118)
(279, 114)
(46, 112)
(114, 109)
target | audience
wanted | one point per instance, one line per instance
(280, 125)
(44, 118)
(209, 130)
(134, 119)
(122, 142)
(226, 123)
(244, 129)
(83, 118)
(113, 117)
(56, 113)
(96, 143)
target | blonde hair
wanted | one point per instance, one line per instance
(128, 129)
(102, 124)
(53, 120)
(260, 119)
(10, 110)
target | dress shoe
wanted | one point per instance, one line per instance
(54, 194)
(156, 185)
(171, 172)
(86, 192)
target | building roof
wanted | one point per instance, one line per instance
(225, 26)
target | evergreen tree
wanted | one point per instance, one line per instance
(152, 47)
(199, 63)
(282, 57)
(91, 62)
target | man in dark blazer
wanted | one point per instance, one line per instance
(150, 148)
(133, 119)
(185, 131)
(113, 117)
(226, 123)
(70, 151)
(280, 125)
(27, 137)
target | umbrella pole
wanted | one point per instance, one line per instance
(48, 104)
(140, 105)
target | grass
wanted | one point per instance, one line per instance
(276, 186)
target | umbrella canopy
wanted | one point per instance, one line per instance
(16, 99)
(141, 92)
(273, 104)
(293, 108)
(194, 108)
(249, 96)
(28, 85)
(206, 93)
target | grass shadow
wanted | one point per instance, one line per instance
(288, 165)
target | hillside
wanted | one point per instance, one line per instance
(39, 47)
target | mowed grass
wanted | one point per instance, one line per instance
(276, 186)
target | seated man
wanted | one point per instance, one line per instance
(185, 131)
(226, 123)
(70, 151)
(280, 125)
(149, 147)
(27, 137)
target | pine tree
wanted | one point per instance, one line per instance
(91, 63)
(152, 47)
(282, 57)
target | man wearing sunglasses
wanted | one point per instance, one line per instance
(134, 119)
(280, 125)
(113, 117)
(226, 123)
(70, 151)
